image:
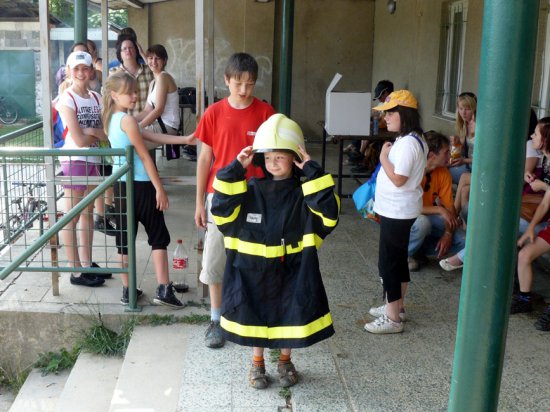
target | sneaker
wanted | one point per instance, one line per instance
(448, 266)
(101, 275)
(86, 279)
(105, 225)
(213, 337)
(413, 264)
(181, 287)
(287, 374)
(165, 296)
(384, 325)
(381, 310)
(543, 323)
(124, 300)
(257, 377)
(521, 305)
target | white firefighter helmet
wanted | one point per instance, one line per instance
(279, 134)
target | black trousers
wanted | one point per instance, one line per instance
(392, 255)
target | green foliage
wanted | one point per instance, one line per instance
(13, 380)
(157, 320)
(274, 355)
(101, 340)
(64, 11)
(118, 17)
(285, 393)
(55, 362)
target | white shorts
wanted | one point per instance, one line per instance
(213, 257)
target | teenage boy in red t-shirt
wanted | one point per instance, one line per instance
(226, 127)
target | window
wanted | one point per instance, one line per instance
(543, 108)
(451, 57)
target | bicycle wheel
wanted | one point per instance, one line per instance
(8, 115)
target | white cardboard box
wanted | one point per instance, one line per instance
(347, 113)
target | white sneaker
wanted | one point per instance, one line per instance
(381, 310)
(384, 325)
(448, 266)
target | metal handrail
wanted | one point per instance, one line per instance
(125, 169)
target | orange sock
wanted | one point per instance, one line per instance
(284, 358)
(258, 360)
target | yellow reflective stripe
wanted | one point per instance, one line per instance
(326, 221)
(317, 185)
(278, 332)
(229, 188)
(259, 249)
(221, 220)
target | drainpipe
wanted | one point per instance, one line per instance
(80, 21)
(505, 83)
(282, 55)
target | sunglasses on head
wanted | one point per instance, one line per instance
(468, 94)
(428, 181)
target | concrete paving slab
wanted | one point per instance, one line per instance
(40, 393)
(90, 385)
(6, 400)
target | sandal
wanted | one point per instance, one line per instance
(257, 377)
(287, 374)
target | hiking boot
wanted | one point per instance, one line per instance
(101, 275)
(287, 374)
(257, 377)
(86, 279)
(165, 296)
(124, 300)
(213, 337)
(381, 310)
(384, 325)
(543, 323)
(521, 304)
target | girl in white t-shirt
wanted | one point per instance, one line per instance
(80, 111)
(398, 203)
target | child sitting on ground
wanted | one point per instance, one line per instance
(273, 293)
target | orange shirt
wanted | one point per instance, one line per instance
(440, 191)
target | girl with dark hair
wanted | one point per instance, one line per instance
(533, 246)
(162, 106)
(398, 203)
(127, 54)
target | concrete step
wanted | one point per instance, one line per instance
(6, 400)
(151, 376)
(90, 385)
(40, 393)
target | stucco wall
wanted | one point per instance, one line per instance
(406, 51)
(329, 36)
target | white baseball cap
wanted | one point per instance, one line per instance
(79, 57)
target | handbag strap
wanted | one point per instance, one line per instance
(161, 123)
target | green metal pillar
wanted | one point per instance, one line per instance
(80, 21)
(505, 83)
(282, 55)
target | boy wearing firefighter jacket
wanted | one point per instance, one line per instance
(273, 293)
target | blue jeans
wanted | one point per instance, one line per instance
(426, 232)
(457, 171)
(523, 224)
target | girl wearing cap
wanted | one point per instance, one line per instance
(398, 202)
(80, 111)
(273, 293)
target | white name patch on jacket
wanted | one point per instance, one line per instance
(254, 218)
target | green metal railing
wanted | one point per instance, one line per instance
(16, 158)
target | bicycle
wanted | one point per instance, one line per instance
(27, 214)
(8, 114)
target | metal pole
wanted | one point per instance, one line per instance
(282, 55)
(506, 73)
(80, 21)
(132, 281)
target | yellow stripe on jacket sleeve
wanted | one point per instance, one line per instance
(222, 220)
(230, 189)
(316, 185)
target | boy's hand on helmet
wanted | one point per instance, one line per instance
(305, 157)
(246, 156)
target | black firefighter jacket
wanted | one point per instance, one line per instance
(273, 293)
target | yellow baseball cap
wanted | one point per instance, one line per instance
(398, 98)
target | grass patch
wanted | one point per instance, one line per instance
(55, 362)
(13, 380)
(274, 355)
(286, 394)
(157, 320)
(100, 340)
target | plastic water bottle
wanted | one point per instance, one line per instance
(180, 260)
